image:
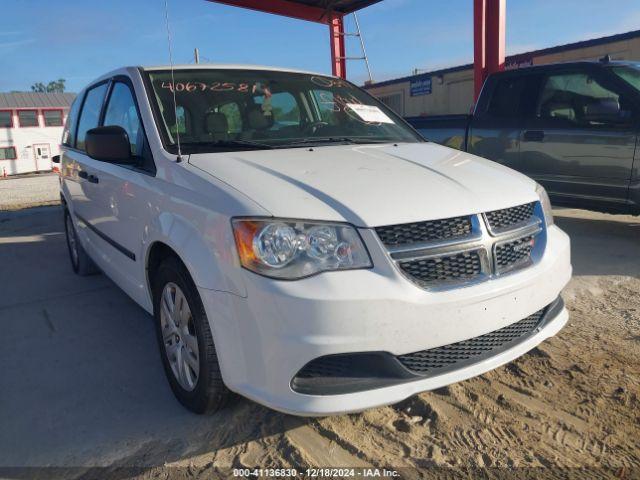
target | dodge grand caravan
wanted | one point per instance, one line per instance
(298, 243)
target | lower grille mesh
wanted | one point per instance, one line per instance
(457, 267)
(445, 357)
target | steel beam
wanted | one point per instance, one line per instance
(338, 48)
(489, 24)
(334, 20)
(282, 7)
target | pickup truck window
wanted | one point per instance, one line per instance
(506, 99)
(630, 75)
(240, 109)
(581, 99)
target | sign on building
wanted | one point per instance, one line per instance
(420, 87)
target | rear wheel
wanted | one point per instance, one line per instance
(185, 340)
(80, 260)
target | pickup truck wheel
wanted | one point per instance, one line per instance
(80, 260)
(185, 340)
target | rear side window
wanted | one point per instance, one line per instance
(507, 98)
(90, 115)
(69, 132)
(121, 111)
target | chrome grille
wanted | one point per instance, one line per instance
(500, 220)
(448, 356)
(511, 254)
(447, 253)
(409, 233)
(433, 271)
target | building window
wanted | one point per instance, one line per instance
(28, 118)
(8, 153)
(52, 118)
(6, 119)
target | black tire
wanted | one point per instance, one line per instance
(210, 393)
(80, 262)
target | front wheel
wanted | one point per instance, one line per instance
(185, 340)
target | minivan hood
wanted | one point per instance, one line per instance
(369, 185)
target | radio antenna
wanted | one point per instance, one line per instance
(173, 80)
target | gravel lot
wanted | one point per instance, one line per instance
(28, 191)
(81, 384)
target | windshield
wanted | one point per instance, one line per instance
(225, 110)
(630, 75)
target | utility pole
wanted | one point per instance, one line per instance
(196, 55)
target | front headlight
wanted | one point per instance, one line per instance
(546, 204)
(290, 250)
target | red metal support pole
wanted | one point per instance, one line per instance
(489, 26)
(338, 49)
(479, 46)
(495, 35)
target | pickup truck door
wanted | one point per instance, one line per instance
(580, 141)
(494, 132)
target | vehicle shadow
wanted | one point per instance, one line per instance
(602, 244)
(82, 383)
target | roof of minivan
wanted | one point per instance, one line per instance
(227, 66)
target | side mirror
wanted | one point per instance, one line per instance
(55, 159)
(109, 144)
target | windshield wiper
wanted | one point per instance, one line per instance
(323, 140)
(244, 144)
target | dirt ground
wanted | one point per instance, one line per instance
(569, 408)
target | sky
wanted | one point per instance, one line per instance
(43, 40)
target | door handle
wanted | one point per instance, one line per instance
(93, 179)
(534, 135)
(83, 174)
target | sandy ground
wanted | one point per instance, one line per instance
(29, 190)
(569, 408)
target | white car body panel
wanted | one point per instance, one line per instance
(265, 330)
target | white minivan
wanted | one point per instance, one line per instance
(298, 243)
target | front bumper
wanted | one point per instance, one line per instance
(265, 339)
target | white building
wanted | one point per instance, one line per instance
(30, 130)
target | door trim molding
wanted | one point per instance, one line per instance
(109, 240)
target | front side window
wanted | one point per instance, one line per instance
(6, 119)
(28, 118)
(8, 153)
(121, 111)
(52, 118)
(90, 115)
(239, 109)
(581, 99)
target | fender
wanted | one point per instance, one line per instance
(207, 249)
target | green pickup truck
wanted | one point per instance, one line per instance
(573, 127)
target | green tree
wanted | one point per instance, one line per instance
(55, 86)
